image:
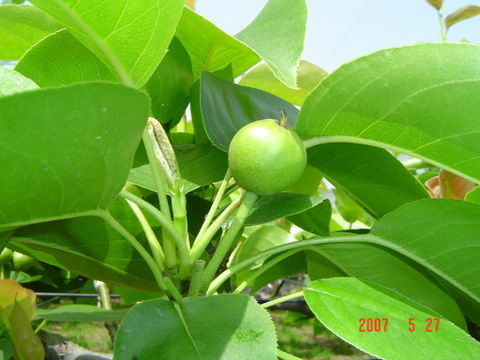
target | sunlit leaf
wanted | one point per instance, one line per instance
(463, 13)
(437, 4)
(128, 36)
(21, 27)
(308, 76)
(13, 82)
(60, 59)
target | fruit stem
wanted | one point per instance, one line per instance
(249, 199)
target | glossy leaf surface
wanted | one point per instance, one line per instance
(226, 107)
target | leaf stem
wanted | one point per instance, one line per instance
(295, 295)
(137, 246)
(166, 224)
(155, 247)
(248, 200)
(214, 207)
(196, 282)
(297, 246)
(441, 20)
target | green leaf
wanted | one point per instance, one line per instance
(199, 165)
(69, 151)
(170, 84)
(473, 196)
(308, 77)
(277, 34)
(263, 238)
(130, 37)
(270, 208)
(60, 59)
(386, 268)
(226, 107)
(212, 49)
(81, 313)
(89, 247)
(375, 179)
(397, 99)
(226, 326)
(13, 82)
(447, 243)
(21, 27)
(315, 219)
(349, 300)
(462, 13)
(348, 209)
(437, 4)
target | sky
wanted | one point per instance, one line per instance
(342, 30)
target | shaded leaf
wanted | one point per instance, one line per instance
(60, 59)
(397, 99)
(226, 107)
(308, 77)
(21, 27)
(349, 300)
(270, 208)
(230, 326)
(89, 247)
(199, 166)
(69, 151)
(170, 84)
(81, 313)
(375, 179)
(315, 219)
(128, 36)
(463, 13)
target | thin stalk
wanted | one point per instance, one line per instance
(295, 295)
(168, 242)
(104, 294)
(175, 294)
(214, 207)
(297, 245)
(166, 224)
(155, 247)
(196, 282)
(441, 20)
(226, 242)
(137, 246)
(264, 267)
(202, 241)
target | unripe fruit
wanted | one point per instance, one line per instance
(21, 262)
(5, 256)
(266, 157)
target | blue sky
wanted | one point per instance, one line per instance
(341, 30)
